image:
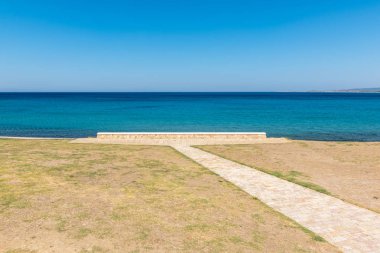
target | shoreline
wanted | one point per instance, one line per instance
(34, 138)
(91, 138)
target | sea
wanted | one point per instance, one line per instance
(309, 116)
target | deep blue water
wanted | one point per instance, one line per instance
(318, 116)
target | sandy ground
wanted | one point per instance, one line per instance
(62, 197)
(348, 170)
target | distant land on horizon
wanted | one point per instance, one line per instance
(358, 90)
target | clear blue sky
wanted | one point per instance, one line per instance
(194, 45)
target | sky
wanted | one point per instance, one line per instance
(194, 45)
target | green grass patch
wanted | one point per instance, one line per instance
(61, 225)
(20, 251)
(82, 233)
(10, 200)
(94, 249)
(314, 236)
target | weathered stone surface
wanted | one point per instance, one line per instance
(241, 137)
(181, 138)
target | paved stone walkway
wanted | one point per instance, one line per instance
(349, 227)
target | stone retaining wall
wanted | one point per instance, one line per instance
(182, 138)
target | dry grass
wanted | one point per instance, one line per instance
(348, 170)
(62, 197)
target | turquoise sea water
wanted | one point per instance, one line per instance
(317, 116)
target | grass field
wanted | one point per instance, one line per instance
(61, 197)
(347, 170)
